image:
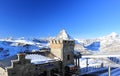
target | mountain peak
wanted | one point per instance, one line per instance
(63, 35)
(113, 35)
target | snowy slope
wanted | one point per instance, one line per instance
(93, 46)
(109, 43)
(12, 47)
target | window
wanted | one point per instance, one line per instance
(68, 57)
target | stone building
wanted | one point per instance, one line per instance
(60, 60)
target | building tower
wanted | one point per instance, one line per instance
(63, 48)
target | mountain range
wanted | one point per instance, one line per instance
(106, 44)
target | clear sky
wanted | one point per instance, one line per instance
(43, 18)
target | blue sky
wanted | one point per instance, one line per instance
(43, 18)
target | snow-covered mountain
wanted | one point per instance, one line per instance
(10, 47)
(106, 44)
(64, 35)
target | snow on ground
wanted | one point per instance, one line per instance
(91, 62)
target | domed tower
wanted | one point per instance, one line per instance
(63, 48)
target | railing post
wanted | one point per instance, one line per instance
(109, 71)
(87, 64)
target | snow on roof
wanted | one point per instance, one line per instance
(38, 59)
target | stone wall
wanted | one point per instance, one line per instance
(56, 48)
(68, 52)
(63, 49)
(23, 67)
